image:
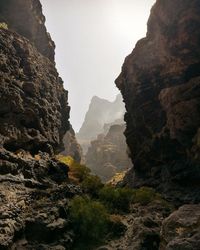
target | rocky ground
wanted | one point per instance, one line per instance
(34, 195)
(152, 228)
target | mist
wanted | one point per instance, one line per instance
(92, 39)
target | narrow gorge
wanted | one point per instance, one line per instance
(140, 191)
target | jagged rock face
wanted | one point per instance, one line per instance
(100, 112)
(143, 228)
(107, 155)
(34, 112)
(160, 84)
(34, 196)
(181, 230)
(33, 104)
(26, 18)
(72, 148)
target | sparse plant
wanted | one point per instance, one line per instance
(77, 171)
(3, 26)
(92, 185)
(145, 195)
(116, 199)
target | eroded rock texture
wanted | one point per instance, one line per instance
(34, 195)
(181, 230)
(33, 104)
(160, 84)
(34, 186)
(26, 18)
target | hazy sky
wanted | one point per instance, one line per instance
(92, 38)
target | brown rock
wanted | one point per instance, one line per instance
(26, 18)
(33, 104)
(181, 230)
(160, 85)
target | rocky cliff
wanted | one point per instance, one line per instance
(33, 104)
(34, 112)
(26, 18)
(160, 84)
(107, 155)
(100, 112)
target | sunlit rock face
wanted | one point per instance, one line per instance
(34, 107)
(160, 84)
(107, 155)
(98, 119)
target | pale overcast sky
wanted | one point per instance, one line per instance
(92, 38)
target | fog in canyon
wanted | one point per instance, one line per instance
(92, 39)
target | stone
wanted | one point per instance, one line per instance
(160, 84)
(34, 117)
(181, 230)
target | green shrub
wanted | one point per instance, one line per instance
(89, 219)
(116, 199)
(145, 195)
(3, 26)
(77, 171)
(92, 185)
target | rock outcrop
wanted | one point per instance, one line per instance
(100, 113)
(181, 230)
(34, 195)
(34, 108)
(34, 112)
(26, 18)
(107, 155)
(72, 147)
(160, 84)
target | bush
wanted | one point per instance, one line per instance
(92, 185)
(89, 219)
(145, 195)
(116, 199)
(3, 26)
(77, 171)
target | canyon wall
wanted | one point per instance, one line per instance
(107, 155)
(33, 105)
(160, 84)
(34, 112)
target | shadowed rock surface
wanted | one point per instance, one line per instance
(34, 112)
(34, 195)
(26, 18)
(107, 155)
(181, 230)
(160, 84)
(33, 105)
